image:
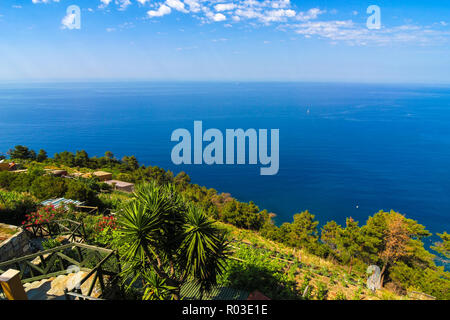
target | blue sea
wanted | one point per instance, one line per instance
(345, 149)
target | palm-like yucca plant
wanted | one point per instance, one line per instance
(173, 241)
(155, 287)
(203, 249)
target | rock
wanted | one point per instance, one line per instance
(57, 286)
(34, 285)
(70, 282)
(74, 279)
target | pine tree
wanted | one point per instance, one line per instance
(444, 246)
(42, 156)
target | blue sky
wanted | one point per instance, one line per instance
(254, 40)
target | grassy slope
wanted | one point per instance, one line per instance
(320, 270)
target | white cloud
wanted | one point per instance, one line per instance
(263, 11)
(194, 5)
(219, 40)
(177, 5)
(311, 14)
(314, 22)
(219, 17)
(123, 4)
(104, 3)
(68, 20)
(277, 15)
(358, 34)
(162, 11)
(327, 29)
(43, 1)
(280, 4)
(224, 6)
(247, 13)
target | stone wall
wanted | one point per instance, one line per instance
(16, 246)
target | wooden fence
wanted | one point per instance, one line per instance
(75, 230)
(103, 264)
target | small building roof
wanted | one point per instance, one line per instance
(119, 183)
(20, 171)
(101, 173)
(98, 174)
(58, 172)
(7, 165)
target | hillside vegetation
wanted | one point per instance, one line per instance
(296, 260)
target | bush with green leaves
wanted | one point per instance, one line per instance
(259, 271)
(340, 296)
(14, 206)
(77, 190)
(45, 186)
(50, 244)
(357, 294)
(435, 282)
(322, 291)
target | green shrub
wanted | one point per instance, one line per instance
(435, 282)
(259, 272)
(340, 296)
(322, 291)
(50, 244)
(77, 190)
(47, 187)
(357, 295)
(14, 206)
(6, 178)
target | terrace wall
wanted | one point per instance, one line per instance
(16, 246)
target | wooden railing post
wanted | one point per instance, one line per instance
(12, 285)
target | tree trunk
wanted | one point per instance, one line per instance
(169, 280)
